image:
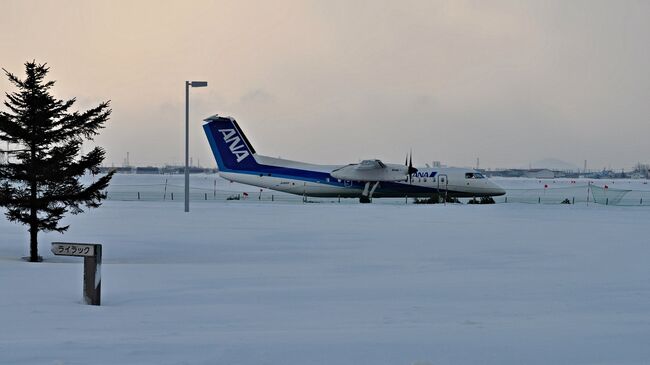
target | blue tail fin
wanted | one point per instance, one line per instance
(230, 147)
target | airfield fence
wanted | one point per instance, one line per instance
(587, 193)
(573, 194)
(174, 192)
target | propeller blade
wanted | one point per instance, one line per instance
(406, 163)
(411, 169)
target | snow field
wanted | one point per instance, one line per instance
(261, 283)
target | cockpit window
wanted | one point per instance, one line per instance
(474, 175)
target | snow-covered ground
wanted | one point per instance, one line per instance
(264, 283)
(211, 187)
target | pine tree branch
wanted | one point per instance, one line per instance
(13, 79)
(12, 151)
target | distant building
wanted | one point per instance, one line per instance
(119, 170)
(123, 170)
(140, 170)
(540, 174)
(531, 173)
(641, 171)
(171, 170)
(147, 170)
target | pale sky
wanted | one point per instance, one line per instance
(335, 81)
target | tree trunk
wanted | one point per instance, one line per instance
(33, 226)
(33, 239)
(33, 213)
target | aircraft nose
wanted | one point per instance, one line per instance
(497, 190)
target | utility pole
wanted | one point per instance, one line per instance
(189, 84)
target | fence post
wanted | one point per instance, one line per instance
(272, 199)
(340, 198)
(206, 196)
(606, 201)
(539, 200)
(506, 200)
(641, 201)
(138, 195)
(172, 196)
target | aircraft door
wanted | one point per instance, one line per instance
(443, 183)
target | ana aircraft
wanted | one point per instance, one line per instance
(238, 162)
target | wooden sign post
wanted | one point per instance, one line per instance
(92, 254)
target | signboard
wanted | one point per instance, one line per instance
(73, 249)
(92, 254)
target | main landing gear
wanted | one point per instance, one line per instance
(366, 195)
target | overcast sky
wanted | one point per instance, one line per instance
(336, 81)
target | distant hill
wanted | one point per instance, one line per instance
(553, 164)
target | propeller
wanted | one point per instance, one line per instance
(409, 163)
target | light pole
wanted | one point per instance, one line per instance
(187, 137)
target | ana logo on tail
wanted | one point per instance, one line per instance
(234, 142)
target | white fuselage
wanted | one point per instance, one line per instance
(424, 183)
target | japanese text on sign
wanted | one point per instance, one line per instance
(71, 249)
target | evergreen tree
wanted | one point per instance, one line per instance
(39, 182)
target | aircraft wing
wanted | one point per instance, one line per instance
(370, 170)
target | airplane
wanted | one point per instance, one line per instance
(238, 161)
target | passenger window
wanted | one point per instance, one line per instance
(469, 175)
